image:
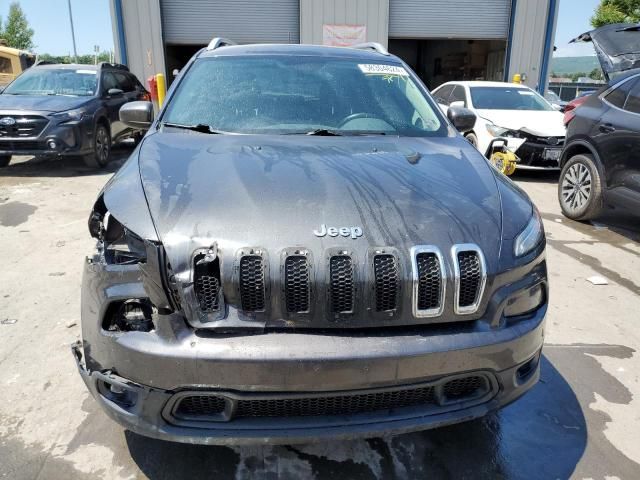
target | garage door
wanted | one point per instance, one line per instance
(196, 22)
(469, 19)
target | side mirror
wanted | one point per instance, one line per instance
(137, 114)
(462, 118)
(114, 92)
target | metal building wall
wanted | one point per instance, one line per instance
(529, 42)
(142, 36)
(372, 13)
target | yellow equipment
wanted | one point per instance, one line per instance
(13, 62)
(504, 161)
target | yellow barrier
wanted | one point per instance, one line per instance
(162, 88)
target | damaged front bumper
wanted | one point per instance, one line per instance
(267, 387)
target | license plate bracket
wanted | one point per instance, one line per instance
(552, 154)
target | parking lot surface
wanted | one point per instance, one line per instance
(580, 421)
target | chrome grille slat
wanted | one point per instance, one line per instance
(429, 281)
(470, 278)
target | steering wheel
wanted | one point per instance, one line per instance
(355, 116)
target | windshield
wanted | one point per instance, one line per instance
(302, 94)
(507, 98)
(51, 81)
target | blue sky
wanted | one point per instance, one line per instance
(573, 19)
(50, 21)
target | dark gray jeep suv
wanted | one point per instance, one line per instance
(302, 247)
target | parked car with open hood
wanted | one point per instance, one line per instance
(601, 159)
(303, 247)
(528, 124)
(55, 110)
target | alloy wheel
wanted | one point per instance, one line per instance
(102, 145)
(576, 187)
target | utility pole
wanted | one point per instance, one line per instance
(73, 33)
(96, 50)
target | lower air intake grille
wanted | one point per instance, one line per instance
(442, 393)
(463, 387)
(387, 282)
(296, 284)
(470, 278)
(429, 281)
(341, 286)
(207, 283)
(252, 291)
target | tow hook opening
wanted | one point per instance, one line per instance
(525, 371)
(117, 392)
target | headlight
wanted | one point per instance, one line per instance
(530, 237)
(496, 131)
(70, 115)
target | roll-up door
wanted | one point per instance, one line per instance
(461, 19)
(196, 22)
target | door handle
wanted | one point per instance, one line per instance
(607, 128)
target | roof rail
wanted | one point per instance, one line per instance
(372, 46)
(219, 42)
(117, 66)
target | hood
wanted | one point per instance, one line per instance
(272, 192)
(41, 103)
(546, 123)
(617, 47)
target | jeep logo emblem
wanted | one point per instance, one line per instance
(7, 121)
(353, 232)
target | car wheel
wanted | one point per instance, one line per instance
(472, 139)
(580, 188)
(101, 148)
(4, 160)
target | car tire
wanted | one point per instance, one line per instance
(580, 189)
(4, 160)
(101, 148)
(472, 139)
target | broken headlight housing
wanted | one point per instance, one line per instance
(496, 131)
(530, 237)
(122, 246)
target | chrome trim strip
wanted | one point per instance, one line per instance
(432, 312)
(455, 250)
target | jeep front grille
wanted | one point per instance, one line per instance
(342, 285)
(297, 289)
(387, 282)
(470, 278)
(252, 283)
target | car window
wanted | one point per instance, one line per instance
(5, 65)
(109, 81)
(618, 96)
(289, 95)
(633, 99)
(54, 81)
(458, 95)
(508, 98)
(124, 82)
(442, 95)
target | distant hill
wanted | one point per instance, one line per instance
(569, 65)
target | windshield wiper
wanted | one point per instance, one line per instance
(200, 127)
(325, 132)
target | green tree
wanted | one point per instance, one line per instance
(596, 74)
(16, 30)
(616, 11)
(575, 76)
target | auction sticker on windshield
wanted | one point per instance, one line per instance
(379, 69)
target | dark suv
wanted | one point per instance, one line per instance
(53, 110)
(303, 246)
(601, 159)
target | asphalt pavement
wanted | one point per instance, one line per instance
(581, 421)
